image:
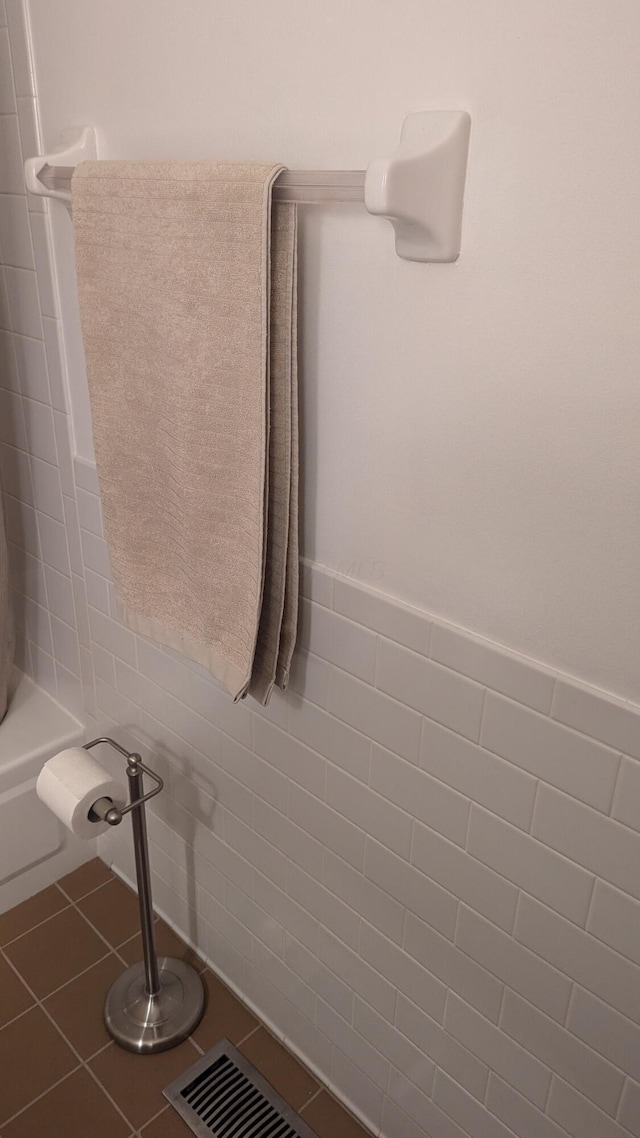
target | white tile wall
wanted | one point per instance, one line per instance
(421, 864)
(35, 454)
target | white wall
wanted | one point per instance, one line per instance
(470, 431)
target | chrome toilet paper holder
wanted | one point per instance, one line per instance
(155, 1004)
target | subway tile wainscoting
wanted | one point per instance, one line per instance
(421, 866)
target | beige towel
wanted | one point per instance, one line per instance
(187, 302)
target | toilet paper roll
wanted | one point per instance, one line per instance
(70, 783)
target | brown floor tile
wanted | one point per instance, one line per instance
(55, 952)
(330, 1120)
(14, 997)
(85, 878)
(78, 1007)
(75, 1107)
(168, 943)
(280, 1068)
(169, 1124)
(32, 1037)
(224, 1018)
(30, 913)
(113, 910)
(136, 1082)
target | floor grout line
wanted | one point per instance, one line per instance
(19, 1016)
(74, 900)
(39, 925)
(74, 1051)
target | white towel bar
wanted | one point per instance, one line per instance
(419, 188)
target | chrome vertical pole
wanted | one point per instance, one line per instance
(141, 851)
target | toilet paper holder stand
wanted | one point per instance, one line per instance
(154, 1004)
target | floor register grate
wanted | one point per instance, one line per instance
(223, 1096)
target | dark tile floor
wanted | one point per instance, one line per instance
(60, 1074)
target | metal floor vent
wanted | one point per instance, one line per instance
(223, 1096)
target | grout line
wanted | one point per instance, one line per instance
(15, 1018)
(74, 901)
(61, 987)
(38, 926)
(38, 1097)
(314, 1096)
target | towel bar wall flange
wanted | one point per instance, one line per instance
(419, 188)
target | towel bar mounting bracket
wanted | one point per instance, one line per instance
(419, 188)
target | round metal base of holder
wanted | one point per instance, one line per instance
(148, 1024)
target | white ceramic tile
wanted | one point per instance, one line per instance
(70, 693)
(305, 1038)
(32, 369)
(502, 1054)
(477, 773)
(292, 917)
(340, 641)
(254, 918)
(418, 793)
(326, 825)
(113, 637)
(89, 512)
(5, 311)
(65, 465)
(560, 756)
(60, 595)
(8, 365)
(97, 591)
(3, 14)
(611, 977)
(104, 665)
(513, 964)
(12, 428)
(412, 888)
(414, 1061)
(288, 837)
(466, 1110)
(359, 1091)
(44, 670)
(255, 849)
(289, 756)
(388, 722)
(40, 432)
(22, 66)
(492, 666)
(309, 677)
(348, 749)
(30, 141)
(282, 978)
(208, 699)
(21, 525)
(323, 981)
(47, 287)
(338, 918)
(429, 1118)
(598, 714)
(464, 876)
(53, 536)
(530, 865)
(316, 583)
(562, 1052)
(66, 648)
(357, 974)
(81, 611)
(16, 473)
(363, 896)
(53, 348)
(95, 554)
(24, 304)
(357, 1048)
(370, 811)
(11, 172)
(517, 1112)
(15, 234)
(46, 489)
(406, 625)
(612, 851)
(86, 475)
(455, 969)
(37, 622)
(446, 1052)
(435, 691)
(579, 1116)
(403, 972)
(614, 918)
(608, 1033)
(626, 805)
(629, 1109)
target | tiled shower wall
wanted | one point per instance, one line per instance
(35, 452)
(420, 865)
